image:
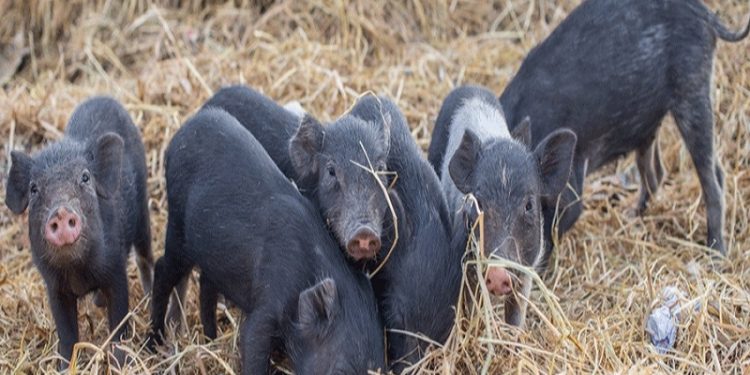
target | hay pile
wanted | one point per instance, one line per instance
(163, 60)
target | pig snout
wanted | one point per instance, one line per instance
(364, 244)
(498, 281)
(63, 227)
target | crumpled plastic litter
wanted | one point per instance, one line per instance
(662, 323)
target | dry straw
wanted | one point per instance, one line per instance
(162, 59)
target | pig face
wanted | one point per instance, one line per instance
(349, 196)
(61, 187)
(510, 185)
(333, 339)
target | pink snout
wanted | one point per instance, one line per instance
(62, 228)
(498, 281)
(364, 245)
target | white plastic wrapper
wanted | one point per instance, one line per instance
(662, 323)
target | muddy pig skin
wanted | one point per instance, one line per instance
(263, 246)
(510, 182)
(611, 72)
(418, 285)
(324, 162)
(88, 205)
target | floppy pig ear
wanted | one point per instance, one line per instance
(555, 157)
(107, 154)
(464, 161)
(305, 145)
(17, 188)
(318, 305)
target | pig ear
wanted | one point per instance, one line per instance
(522, 132)
(555, 157)
(17, 189)
(317, 306)
(305, 145)
(106, 156)
(386, 131)
(463, 162)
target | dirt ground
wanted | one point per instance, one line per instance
(163, 59)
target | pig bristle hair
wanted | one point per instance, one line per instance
(162, 60)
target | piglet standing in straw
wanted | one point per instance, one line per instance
(87, 202)
(475, 153)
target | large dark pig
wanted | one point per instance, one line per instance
(87, 203)
(476, 154)
(418, 285)
(324, 162)
(262, 245)
(610, 72)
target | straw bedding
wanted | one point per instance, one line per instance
(162, 59)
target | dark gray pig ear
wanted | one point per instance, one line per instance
(17, 188)
(317, 306)
(555, 157)
(386, 131)
(464, 161)
(522, 132)
(305, 145)
(107, 153)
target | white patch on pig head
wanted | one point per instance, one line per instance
(484, 119)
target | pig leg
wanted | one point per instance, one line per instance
(64, 307)
(117, 309)
(175, 310)
(646, 161)
(209, 297)
(255, 343)
(145, 261)
(658, 165)
(169, 271)
(695, 122)
(570, 209)
(515, 307)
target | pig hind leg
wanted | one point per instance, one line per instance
(648, 160)
(209, 298)
(695, 122)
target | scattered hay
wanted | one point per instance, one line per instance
(163, 60)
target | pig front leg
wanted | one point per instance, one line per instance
(255, 343)
(64, 307)
(117, 310)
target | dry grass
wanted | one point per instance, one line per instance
(163, 60)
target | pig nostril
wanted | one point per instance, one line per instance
(72, 222)
(54, 227)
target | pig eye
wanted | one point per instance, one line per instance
(33, 189)
(85, 177)
(331, 171)
(529, 205)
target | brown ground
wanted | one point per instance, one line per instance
(163, 61)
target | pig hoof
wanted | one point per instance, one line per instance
(152, 341)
